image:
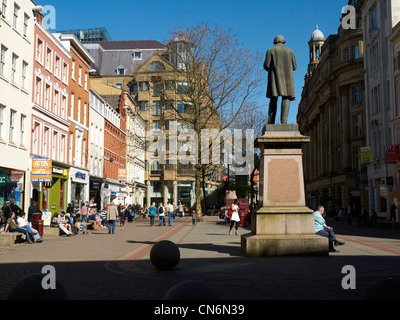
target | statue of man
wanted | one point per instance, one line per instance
(280, 63)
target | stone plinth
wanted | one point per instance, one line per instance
(283, 225)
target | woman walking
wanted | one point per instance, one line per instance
(152, 213)
(235, 219)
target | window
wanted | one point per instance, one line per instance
(15, 17)
(73, 70)
(80, 76)
(63, 104)
(182, 87)
(4, 8)
(84, 113)
(12, 126)
(121, 71)
(347, 54)
(134, 87)
(24, 70)
(79, 110)
(157, 89)
(157, 108)
(182, 106)
(3, 51)
(169, 105)
(26, 22)
(374, 57)
(356, 126)
(144, 86)
(2, 108)
(143, 106)
(35, 144)
(356, 158)
(356, 52)
(156, 66)
(170, 85)
(374, 17)
(57, 66)
(38, 88)
(72, 105)
(375, 99)
(45, 141)
(54, 145)
(157, 125)
(71, 139)
(49, 52)
(357, 94)
(47, 97)
(137, 55)
(22, 130)
(119, 85)
(55, 101)
(14, 68)
(65, 73)
(39, 50)
(86, 80)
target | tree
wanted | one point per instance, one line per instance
(215, 76)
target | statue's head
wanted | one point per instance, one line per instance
(279, 39)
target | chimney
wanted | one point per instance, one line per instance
(37, 13)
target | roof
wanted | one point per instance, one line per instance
(317, 35)
(130, 44)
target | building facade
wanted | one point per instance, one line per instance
(378, 19)
(50, 124)
(16, 65)
(332, 113)
(78, 117)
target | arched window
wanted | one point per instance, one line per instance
(156, 66)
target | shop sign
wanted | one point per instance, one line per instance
(58, 171)
(392, 153)
(41, 170)
(79, 176)
(366, 154)
(122, 175)
(3, 179)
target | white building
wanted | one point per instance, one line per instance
(16, 59)
(135, 152)
(378, 19)
(96, 147)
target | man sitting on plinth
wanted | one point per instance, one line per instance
(323, 230)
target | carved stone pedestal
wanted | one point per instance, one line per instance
(282, 225)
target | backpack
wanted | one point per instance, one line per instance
(160, 210)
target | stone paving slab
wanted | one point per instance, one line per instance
(102, 266)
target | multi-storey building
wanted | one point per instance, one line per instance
(96, 148)
(332, 113)
(50, 123)
(78, 117)
(16, 63)
(378, 19)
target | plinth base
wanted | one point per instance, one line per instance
(284, 245)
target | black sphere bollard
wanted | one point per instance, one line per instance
(30, 288)
(165, 255)
(388, 289)
(192, 290)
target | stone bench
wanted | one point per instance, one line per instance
(50, 232)
(386, 224)
(8, 239)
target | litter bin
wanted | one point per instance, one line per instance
(37, 223)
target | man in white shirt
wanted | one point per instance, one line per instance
(22, 223)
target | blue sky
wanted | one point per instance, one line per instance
(256, 22)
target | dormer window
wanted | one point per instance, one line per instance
(121, 70)
(137, 55)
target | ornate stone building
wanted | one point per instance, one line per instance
(332, 113)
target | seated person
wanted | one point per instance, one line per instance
(63, 224)
(12, 226)
(32, 232)
(79, 225)
(94, 220)
(323, 230)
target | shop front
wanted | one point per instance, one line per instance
(12, 185)
(79, 192)
(52, 195)
(95, 199)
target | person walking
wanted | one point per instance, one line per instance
(170, 212)
(235, 219)
(31, 210)
(111, 216)
(84, 212)
(161, 214)
(194, 217)
(152, 213)
(180, 210)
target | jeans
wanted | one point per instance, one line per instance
(161, 220)
(29, 229)
(111, 226)
(170, 218)
(328, 233)
(152, 220)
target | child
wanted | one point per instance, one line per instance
(194, 217)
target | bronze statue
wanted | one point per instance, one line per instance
(280, 63)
